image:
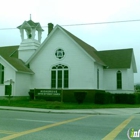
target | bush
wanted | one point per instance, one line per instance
(31, 94)
(124, 98)
(137, 98)
(68, 96)
(80, 96)
(131, 99)
(102, 97)
(120, 98)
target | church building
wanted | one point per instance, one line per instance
(62, 61)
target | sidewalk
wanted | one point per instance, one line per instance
(115, 111)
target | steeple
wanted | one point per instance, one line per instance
(29, 43)
(30, 27)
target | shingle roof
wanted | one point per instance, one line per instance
(8, 50)
(89, 49)
(111, 58)
(121, 58)
(10, 54)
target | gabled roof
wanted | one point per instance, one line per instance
(121, 58)
(10, 54)
(89, 49)
(113, 59)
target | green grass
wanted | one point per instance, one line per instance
(58, 105)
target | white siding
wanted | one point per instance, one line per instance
(22, 84)
(2, 90)
(27, 48)
(130, 76)
(80, 64)
(110, 81)
(9, 73)
(101, 76)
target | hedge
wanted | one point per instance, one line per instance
(96, 96)
(102, 97)
(80, 96)
(124, 98)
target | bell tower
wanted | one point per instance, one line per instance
(29, 41)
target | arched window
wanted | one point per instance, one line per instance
(1, 74)
(59, 76)
(119, 80)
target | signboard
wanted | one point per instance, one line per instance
(47, 92)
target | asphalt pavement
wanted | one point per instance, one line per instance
(20, 123)
(114, 111)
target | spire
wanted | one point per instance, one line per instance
(30, 17)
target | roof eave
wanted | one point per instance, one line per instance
(134, 66)
(25, 72)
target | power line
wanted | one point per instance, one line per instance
(103, 22)
(81, 24)
(7, 28)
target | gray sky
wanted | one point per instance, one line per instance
(66, 12)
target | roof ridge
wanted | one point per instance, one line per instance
(9, 46)
(116, 49)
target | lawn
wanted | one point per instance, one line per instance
(58, 105)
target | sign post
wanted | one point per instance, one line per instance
(61, 95)
(8, 90)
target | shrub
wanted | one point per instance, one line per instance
(131, 99)
(31, 94)
(102, 97)
(137, 98)
(80, 96)
(120, 98)
(124, 98)
(68, 96)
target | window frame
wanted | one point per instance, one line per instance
(60, 79)
(98, 80)
(119, 79)
(59, 53)
(1, 74)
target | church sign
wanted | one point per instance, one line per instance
(47, 92)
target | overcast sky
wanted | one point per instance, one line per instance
(67, 12)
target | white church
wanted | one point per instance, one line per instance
(63, 61)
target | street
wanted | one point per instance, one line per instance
(21, 125)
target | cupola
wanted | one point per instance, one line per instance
(29, 41)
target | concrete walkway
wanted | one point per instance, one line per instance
(116, 111)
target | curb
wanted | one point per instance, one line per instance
(54, 111)
(116, 111)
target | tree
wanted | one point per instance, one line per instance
(137, 87)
